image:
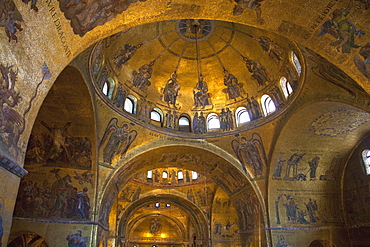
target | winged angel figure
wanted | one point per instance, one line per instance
(116, 140)
(364, 65)
(251, 153)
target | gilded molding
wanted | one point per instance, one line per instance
(12, 166)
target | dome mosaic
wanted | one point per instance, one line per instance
(197, 76)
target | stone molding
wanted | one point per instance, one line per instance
(12, 167)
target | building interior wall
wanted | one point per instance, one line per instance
(74, 164)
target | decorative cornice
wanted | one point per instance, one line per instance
(12, 166)
(52, 221)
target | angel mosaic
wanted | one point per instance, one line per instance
(259, 73)
(342, 29)
(250, 4)
(123, 55)
(364, 65)
(251, 153)
(116, 140)
(274, 50)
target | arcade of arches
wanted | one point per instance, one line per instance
(184, 123)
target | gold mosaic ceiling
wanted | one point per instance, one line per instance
(194, 48)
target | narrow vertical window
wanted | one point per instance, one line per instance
(286, 87)
(366, 159)
(156, 116)
(150, 174)
(213, 121)
(194, 175)
(180, 175)
(164, 174)
(129, 105)
(296, 63)
(184, 124)
(242, 116)
(268, 104)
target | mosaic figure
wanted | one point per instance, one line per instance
(83, 207)
(144, 113)
(155, 226)
(201, 95)
(195, 123)
(76, 239)
(251, 153)
(116, 139)
(33, 4)
(282, 242)
(12, 123)
(278, 168)
(254, 109)
(171, 91)
(229, 119)
(311, 210)
(341, 29)
(233, 87)
(172, 120)
(59, 136)
(364, 65)
(250, 4)
(258, 71)
(141, 78)
(291, 210)
(86, 15)
(119, 98)
(202, 124)
(314, 163)
(223, 119)
(12, 27)
(125, 54)
(274, 50)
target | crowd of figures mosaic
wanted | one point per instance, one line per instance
(57, 199)
(57, 148)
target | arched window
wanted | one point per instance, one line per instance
(194, 175)
(242, 116)
(286, 87)
(164, 174)
(108, 88)
(150, 174)
(213, 122)
(268, 104)
(366, 159)
(156, 114)
(180, 175)
(130, 104)
(296, 63)
(184, 123)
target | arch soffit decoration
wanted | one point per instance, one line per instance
(194, 211)
(135, 222)
(318, 119)
(136, 158)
